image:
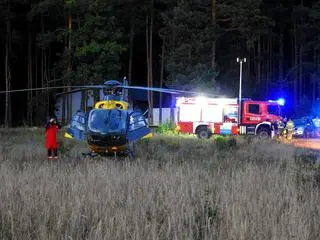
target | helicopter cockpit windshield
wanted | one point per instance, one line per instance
(104, 121)
(112, 94)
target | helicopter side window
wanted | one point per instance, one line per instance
(78, 121)
(137, 121)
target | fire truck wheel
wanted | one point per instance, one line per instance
(263, 132)
(203, 133)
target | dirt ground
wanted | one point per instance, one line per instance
(310, 143)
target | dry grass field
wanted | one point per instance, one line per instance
(177, 188)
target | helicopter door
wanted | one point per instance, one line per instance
(76, 128)
(138, 127)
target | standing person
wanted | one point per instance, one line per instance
(52, 128)
(280, 129)
(290, 129)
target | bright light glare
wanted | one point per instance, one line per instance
(189, 113)
(201, 101)
(223, 101)
(281, 101)
(179, 101)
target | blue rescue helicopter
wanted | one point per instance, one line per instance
(111, 126)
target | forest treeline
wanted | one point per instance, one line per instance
(185, 44)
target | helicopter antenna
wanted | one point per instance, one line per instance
(125, 91)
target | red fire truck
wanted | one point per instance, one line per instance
(208, 116)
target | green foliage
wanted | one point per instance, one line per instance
(167, 128)
(93, 46)
(225, 143)
(96, 47)
(189, 34)
(69, 3)
(199, 77)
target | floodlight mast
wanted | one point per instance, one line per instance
(240, 60)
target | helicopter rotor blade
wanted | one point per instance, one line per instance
(86, 87)
(71, 91)
(35, 89)
(170, 91)
(164, 90)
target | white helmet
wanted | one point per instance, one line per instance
(52, 120)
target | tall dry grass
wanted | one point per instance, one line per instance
(175, 189)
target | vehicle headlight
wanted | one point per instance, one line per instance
(300, 130)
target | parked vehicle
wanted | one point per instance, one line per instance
(208, 116)
(305, 128)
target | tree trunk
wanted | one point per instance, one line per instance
(271, 62)
(259, 62)
(314, 86)
(84, 93)
(83, 100)
(149, 32)
(281, 57)
(46, 82)
(37, 93)
(254, 66)
(30, 79)
(268, 68)
(161, 80)
(7, 73)
(148, 63)
(317, 74)
(43, 111)
(301, 85)
(213, 12)
(131, 39)
(295, 83)
(248, 73)
(7, 121)
(151, 62)
(69, 98)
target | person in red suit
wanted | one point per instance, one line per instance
(52, 128)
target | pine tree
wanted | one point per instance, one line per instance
(191, 27)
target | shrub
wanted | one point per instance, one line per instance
(167, 128)
(224, 143)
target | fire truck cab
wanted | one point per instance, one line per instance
(207, 116)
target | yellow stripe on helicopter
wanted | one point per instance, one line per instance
(149, 135)
(112, 104)
(67, 135)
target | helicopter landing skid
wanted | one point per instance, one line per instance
(130, 154)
